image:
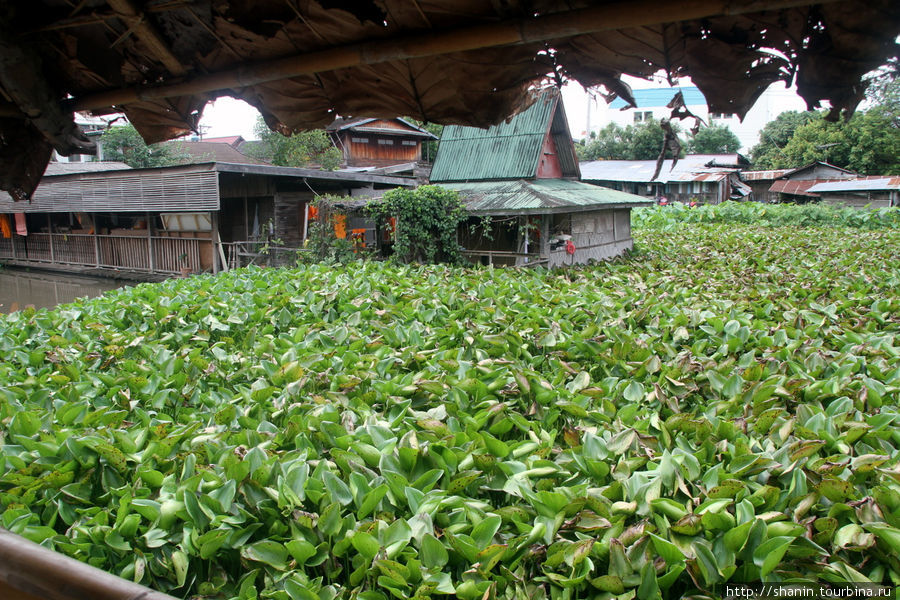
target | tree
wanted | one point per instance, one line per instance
(429, 147)
(611, 143)
(869, 143)
(775, 136)
(125, 144)
(715, 139)
(302, 149)
(634, 142)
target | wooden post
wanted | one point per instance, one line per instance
(545, 238)
(214, 217)
(50, 237)
(96, 239)
(305, 221)
(150, 253)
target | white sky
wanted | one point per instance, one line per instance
(227, 116)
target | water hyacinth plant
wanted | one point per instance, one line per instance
(720, 407)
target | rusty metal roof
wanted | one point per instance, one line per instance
(540, 196)
(769, 175)
(795, 187)
(510, 150)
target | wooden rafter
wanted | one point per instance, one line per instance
(97, 17)
(147, 33)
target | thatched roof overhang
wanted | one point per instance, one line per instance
(302, 62)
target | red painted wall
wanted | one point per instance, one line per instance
(548, 166)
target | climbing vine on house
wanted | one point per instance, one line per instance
(426, 219)
(322, 243)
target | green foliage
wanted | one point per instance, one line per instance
(774, 136)
(715, 139)
(766, 215)
(720, 407)
(125, 144)
(869, 143)
(427, 221)
(301, 149)
(429, 147)
(634, 142)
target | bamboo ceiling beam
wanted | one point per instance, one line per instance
(147, 33)
(596, 19)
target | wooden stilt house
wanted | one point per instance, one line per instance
(521, 184)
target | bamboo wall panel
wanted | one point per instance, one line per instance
(124, 252)
(171, 254)
(190, 189)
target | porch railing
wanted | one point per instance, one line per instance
(510, 259)
(246, 253)
(137, 253)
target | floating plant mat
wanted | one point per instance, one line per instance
(721, 406)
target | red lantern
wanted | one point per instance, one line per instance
(570, 247)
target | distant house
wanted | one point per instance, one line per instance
(521, 178)
(366, 142)
(873, 192)
(706, 178)
(761, 181)
(794, 185)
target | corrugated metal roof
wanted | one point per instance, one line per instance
(358, 123)
(868, 184)
(510, 150)
(657, 97)
(690, 168)
(540, 196)
(796, 187)
(769, 175)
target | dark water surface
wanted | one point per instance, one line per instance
(20, 288)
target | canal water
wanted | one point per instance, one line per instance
(19, 288)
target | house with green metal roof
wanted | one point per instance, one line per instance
(520, 181)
